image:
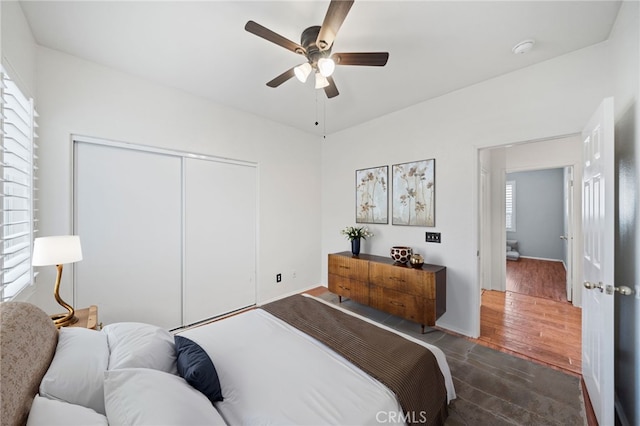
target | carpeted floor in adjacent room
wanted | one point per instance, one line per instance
(493, 388)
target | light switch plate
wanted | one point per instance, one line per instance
(433, 237)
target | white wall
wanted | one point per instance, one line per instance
(80, 97)
(550, 99)
(18, 46)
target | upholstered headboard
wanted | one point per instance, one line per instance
(28, 341)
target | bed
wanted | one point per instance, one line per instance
(298, 360)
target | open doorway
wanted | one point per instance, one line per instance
(512, 320)
(538, 222)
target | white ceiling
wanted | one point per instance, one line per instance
(201, 47)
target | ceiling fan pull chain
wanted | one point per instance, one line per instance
(316, 92)
(324, 119)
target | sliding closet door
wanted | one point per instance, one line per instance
(220, 238)
(128, 214)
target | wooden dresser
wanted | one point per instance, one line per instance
(419, 295)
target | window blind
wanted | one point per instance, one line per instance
(17, 160)
(510, 202)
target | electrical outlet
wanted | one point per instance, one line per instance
(433, 237)
(293, 275)
(278, 278)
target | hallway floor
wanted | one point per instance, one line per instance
(533, 318)
(539, 278)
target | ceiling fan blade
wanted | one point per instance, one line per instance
(331, 90)
(267, 34)
(337, 12)
(282, 78)
(372, 59)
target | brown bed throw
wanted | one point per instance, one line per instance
(407, 368)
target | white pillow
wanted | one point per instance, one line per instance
(76, 373)
(142, 396)
(49, 412)
(138, 345)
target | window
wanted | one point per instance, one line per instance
(510, 202)
(17, 158)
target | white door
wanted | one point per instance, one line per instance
(128, 216)
(220, 238)
(598, 245)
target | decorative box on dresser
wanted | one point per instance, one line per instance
(416, 294)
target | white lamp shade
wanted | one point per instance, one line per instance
(302, 71)
(56, 250)
(321, 81)
(326, 66)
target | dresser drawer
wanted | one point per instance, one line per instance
(404, 305)
(403, 279)
(355, 290)
(349, 267)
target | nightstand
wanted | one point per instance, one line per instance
(87, 317)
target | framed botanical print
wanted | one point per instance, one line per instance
(372, 198)
(414, 189)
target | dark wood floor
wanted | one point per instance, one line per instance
(539, 278)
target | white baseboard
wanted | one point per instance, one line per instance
(291, 293)
(541, 258)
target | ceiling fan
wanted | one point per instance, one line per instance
(315, 44)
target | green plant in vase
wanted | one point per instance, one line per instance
(355, 234)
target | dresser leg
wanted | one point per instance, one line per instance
(422, 331)
(339, 299)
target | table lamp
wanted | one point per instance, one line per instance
(57, 251)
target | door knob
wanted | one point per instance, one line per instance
(590, 286)
(623, 290)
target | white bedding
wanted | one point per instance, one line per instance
(271, 373)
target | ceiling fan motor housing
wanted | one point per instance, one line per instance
(308, 41)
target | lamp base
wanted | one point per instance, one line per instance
(64, 320)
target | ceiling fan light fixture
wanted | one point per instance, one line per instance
(321, 81)
(326, 66)
(302, 71)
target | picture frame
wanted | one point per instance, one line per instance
(414, 191)
(372, 195)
